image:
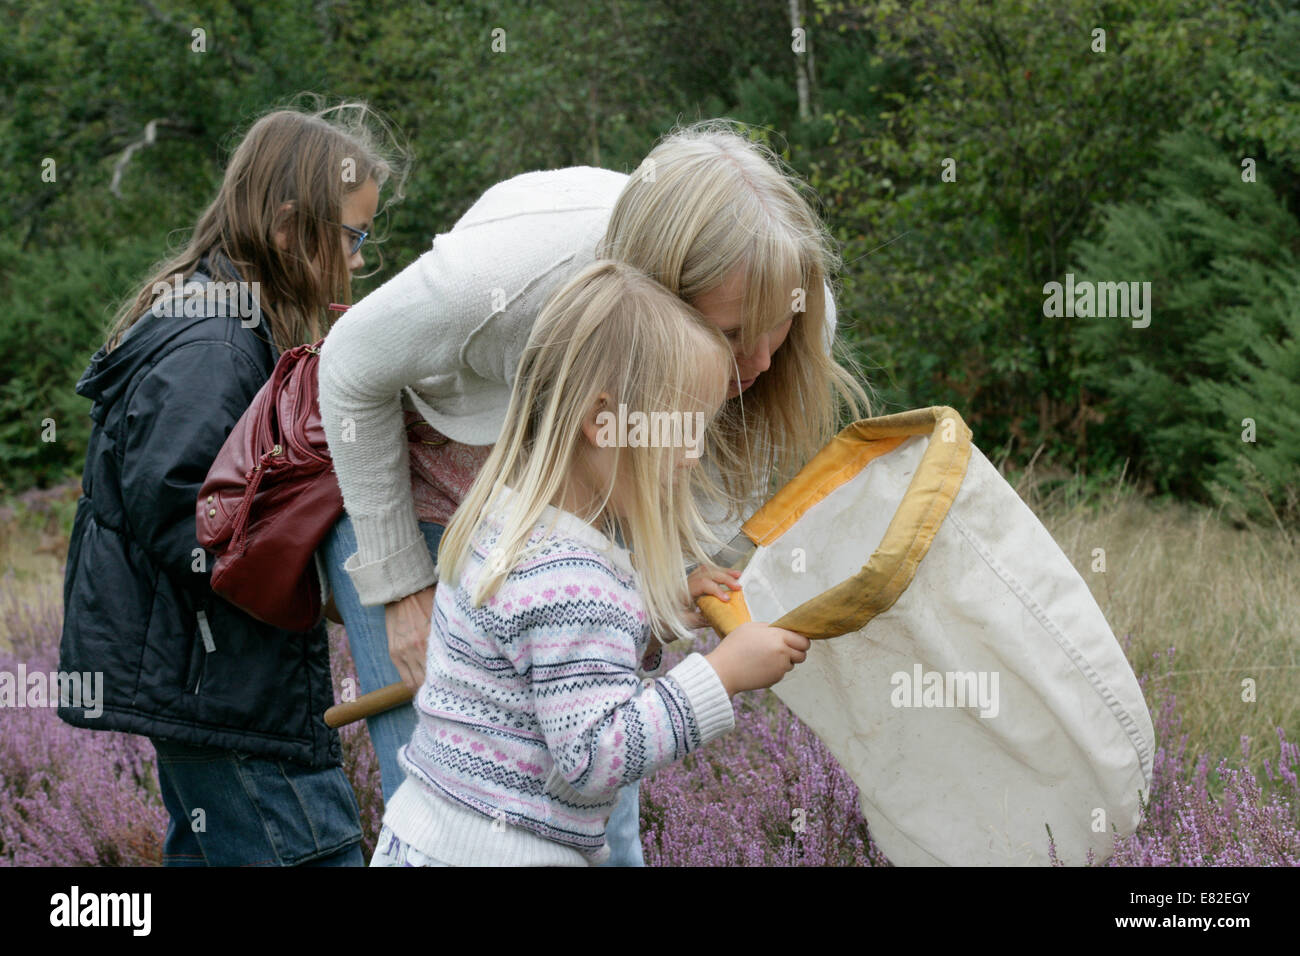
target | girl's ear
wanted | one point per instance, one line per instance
(596, 424)
(284, 215)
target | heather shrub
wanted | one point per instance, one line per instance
(734, 802)
(1225, 816)
(359, 761)
(767, 794)
(68, 796)
(76, 797)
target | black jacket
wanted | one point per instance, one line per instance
(178, 661)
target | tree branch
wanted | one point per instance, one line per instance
(147, 138)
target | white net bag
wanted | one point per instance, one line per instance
(968, 681)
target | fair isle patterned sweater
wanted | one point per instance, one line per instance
(539, 705)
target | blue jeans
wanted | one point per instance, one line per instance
(228, 808)
(368, 641)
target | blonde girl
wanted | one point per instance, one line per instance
(712, 216)
(533, 714)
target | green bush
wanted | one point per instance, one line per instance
(60, 304)
(1222, 345)
(941, 296)
(1257, 470)
(945, 277)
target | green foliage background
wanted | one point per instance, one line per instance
(1122, 165)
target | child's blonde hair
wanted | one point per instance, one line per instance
(706, 201)
(610, 329)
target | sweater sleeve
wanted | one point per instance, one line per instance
(451, 326)
(388, 340)
(417, 327)
(604, 726)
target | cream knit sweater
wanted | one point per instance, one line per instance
(448, 331)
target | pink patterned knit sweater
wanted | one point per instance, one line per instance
(539, 705)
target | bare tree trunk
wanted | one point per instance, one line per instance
(812, 73)
(800, 62)
(325, 22)
(592, 111)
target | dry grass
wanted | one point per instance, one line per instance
(32, 553)
(1224, 596)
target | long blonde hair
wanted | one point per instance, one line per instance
(610, 329)
(309, 162)
(704, 202)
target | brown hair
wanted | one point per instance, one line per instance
(291, 171)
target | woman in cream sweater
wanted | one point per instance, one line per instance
(427, 361)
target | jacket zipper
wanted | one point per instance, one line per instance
(209, 645)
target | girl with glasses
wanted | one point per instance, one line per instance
(247, 769)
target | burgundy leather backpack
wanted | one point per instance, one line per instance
(270, 498)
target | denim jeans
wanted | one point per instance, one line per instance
(228, 808)
(368, 641)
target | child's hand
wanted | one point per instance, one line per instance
(705, 579)
(757, 655)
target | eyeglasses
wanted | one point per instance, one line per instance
(361, 237)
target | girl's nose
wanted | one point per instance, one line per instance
(356, 261)
(759, 360)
